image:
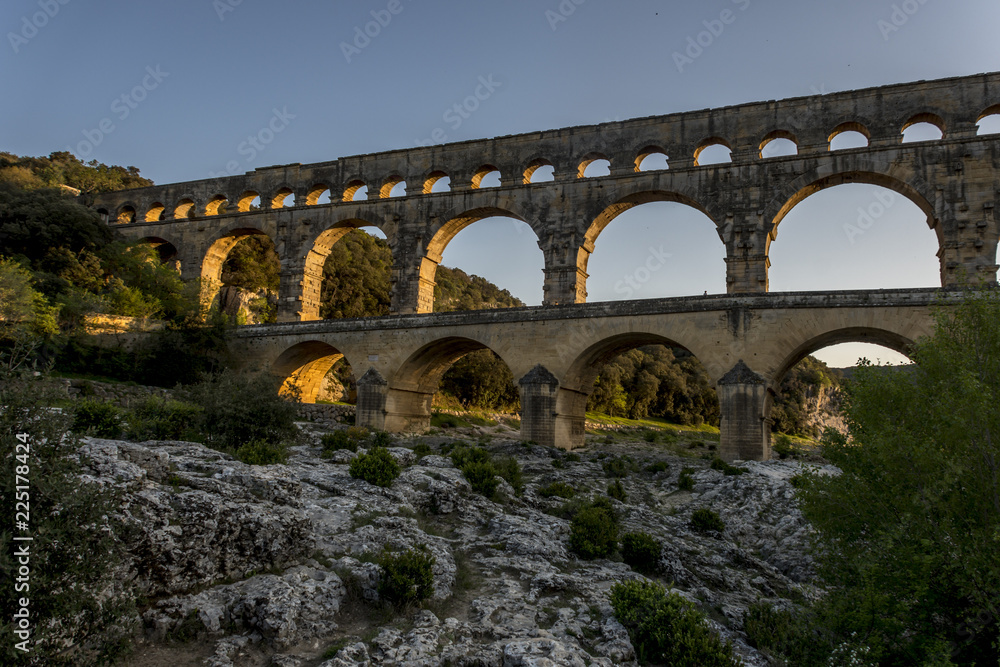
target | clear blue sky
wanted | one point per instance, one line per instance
(213, 72)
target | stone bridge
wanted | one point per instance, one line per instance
(746, 342)
(954, 180)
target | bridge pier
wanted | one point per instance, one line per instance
(538, 406)
(743, 431)
(370, 409)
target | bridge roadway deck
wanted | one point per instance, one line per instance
(746, 343)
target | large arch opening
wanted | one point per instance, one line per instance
(640, 376)
(350, 268)
(806, 395)
(855, 231)
(485, 258)
(240, 276)
(411, 399)
(316, 372)
(165, 250)
(661, 244)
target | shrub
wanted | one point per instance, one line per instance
(261, 453)
(381, 439)
(616, 467)
(509, 469)
(725, 468)
(96, 418)
(666, 628)
(482, 476)
(337, 441)
(784, 446)
(705, 520)
(659, 466)
(617, 491)
(641, 552)
(650, 436)
(460, 456)
(82, 603)
(767, 628)
(240, 408)
(406, 577)
(572, 458)
(421, 449)
(162, 419)
(593, 532)
(558, 490)
(376, 467)
(685, 482)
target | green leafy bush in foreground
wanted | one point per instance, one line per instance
(667, 629)
(377, 467)
(97, 418)
(406, 577)
(641, 552)
(593, 532)
(262, 453)
(705, 521)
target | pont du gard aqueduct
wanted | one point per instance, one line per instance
(747, 339)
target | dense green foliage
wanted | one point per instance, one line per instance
(593, 530)
(457, 290)
(910, 531)
(376, 467)
(77, 540)
(805, 382)
(667, 629)
(617, 491)
(237, 409)
(406, 577)
(356, 277)
(481, 470)
(63, 168)
(705, 521)
(557, 490)
(641, 552)
(262, 453)
(481, 379)
(656, 381)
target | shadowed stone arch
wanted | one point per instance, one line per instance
(313, 261)
(303, 366)
(215, 257)
(577, 382)
(914, 189)
(412, 387)
(165, 250)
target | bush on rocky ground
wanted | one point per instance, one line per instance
(376, 467)
(262, 453)
(667, 629)
(593, 532)
(406, 577)
(706, 521)
(97, 418)
(641, 552)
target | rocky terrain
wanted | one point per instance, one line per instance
(273, 565)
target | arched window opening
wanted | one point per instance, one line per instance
(854, 236)
(539, 171)
(156, 212)
(216, 206)
(356, 191)
(103, 212)
(849, 135)
(651, 158)
(283, 198)
(923, 127)
(438, 181)
(126, 214)
(594, 165)
(318, 194)
(393, 187)
(357, 271)
(713, 151)
(779, 144)
(249, 201)
(989, 122)
(486, 176)
(653, 249)
(249, 276)
(490, 262)
(165, 251)
(184, 209)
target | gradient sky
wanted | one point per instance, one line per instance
(211, 73)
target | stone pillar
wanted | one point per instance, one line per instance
(565, 279)
(743, 431)
(969, 253)
(370, 408)
(299, 291)
(747, 262)
(538, 406)
(412, 276)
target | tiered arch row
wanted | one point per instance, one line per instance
(746, 344)
(745, 167)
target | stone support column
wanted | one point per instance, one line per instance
(743, 430)
(538, 406)
(370, 409)
(747, 262)
(565, 281)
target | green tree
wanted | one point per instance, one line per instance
(356, 277)
(82, 608)
(481, 379)
(910, 530)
